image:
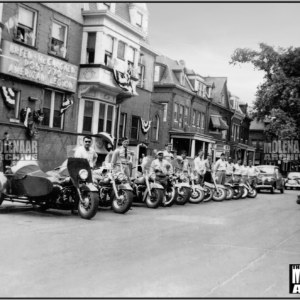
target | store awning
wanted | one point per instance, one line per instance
(224, 126)
(218, 123)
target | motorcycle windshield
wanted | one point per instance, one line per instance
(23, 171)
(75, 165)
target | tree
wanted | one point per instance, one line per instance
(278, 95)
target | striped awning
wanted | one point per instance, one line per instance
(224, 126)
(218, 123)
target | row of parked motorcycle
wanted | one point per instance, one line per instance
(74, 185)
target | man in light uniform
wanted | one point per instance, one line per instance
(121, 158)
(220, 169)
(244, 172)
(183, 161)
(87, 152)
(200, 167)
(229, 170)
(253, 172)
(167, 153)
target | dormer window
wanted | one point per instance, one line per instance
(139, 19)
(156, 74)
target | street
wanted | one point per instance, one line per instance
(236, 248)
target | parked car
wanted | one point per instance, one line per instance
(270, 178)
(292, 180)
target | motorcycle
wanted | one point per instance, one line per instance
(197, 191)
(114, 189)
(181, 183)
(27, 183)
(147, 190)
(251, 189)
(237, 186)
(219, 190)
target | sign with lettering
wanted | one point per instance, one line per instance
(24, 63)
(286, 150)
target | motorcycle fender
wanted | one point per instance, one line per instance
(89, 187)
(182, 184)
(198, 187)
(125, 186)
(155, 185)
(221, 186)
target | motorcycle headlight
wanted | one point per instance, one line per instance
(83, 174)
(121, 177)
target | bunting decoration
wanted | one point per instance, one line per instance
(145, 125)
(12, 23)
(9, 97)
(124, 81)
(65, 105)
(25, 115)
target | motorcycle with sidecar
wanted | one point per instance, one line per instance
(27, 183)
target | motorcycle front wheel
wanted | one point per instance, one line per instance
(123, 204)
(155, 199)
(197, 196)
(170, 196)
(245, 193)
(183, 195)
(219, 194)
(89, 207)
(229, 193)
(237, 192)
(208, 193)
(253, 193)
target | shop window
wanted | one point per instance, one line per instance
(26, 27)
(135, 127)
(141, 75)
(139, 19)
(122, 128)
(175, 112)
(59, 39)
(108, 49)
(121, 50)
(180, 115)
(51, 109)
(91, 44)
(88, 115)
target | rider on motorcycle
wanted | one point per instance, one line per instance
(161, 168)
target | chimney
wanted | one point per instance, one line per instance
(182, 62)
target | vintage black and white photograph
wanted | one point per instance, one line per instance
(149, 150)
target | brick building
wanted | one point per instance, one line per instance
(38, 70)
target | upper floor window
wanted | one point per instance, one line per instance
(141, 75)
(198, 119)
(135, 121)
(194, 118)
(165, 112)
(155, 129)
(254, 144)
(88, 115)
(130, 57)
(108, 49)
(26, 27)
(59, 39)
(90, 50)
(121, 50)
(93, 6)
(180, 116)
(122, 127)
(186, 113)
(139, 19)
(202, 120)
(51, 109)
(175, 112)
(156, 73)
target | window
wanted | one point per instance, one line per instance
(186, 114)
(180, 116)
(175, 112)
(135, 127)
(139, 19)
(121, 50)
(155, 129)
(26, 27)
(141, 75)
(90, 50)
(202, 121)
(130, 57)
(93, 6)
(108, 49)
(156, 73)
(254, 144)
(88, 116)
(59, 39)
(122, 128)
(224, 132)
(198, 119)
(109, 119)
(165, 112)
(238, 133)
(51, 108)
(194, 118)
(261, 145)
(101, 117)
(13, 97)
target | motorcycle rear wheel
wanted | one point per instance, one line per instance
(122, 206)
(155, 199)
(169, 198)
(197, 196)
(245, 193)
(237, 192)
(183, 195)
(90, 211)
(252, 194)
(219, 194)
(229, 193)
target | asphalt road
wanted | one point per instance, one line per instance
(237, 248)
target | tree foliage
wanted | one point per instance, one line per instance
(278, 96)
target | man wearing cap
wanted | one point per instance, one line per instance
(121, 157)
(167, 153)
(183, 161)
(161, 168)
(220, 169)
(87, 152)
(200, 167)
